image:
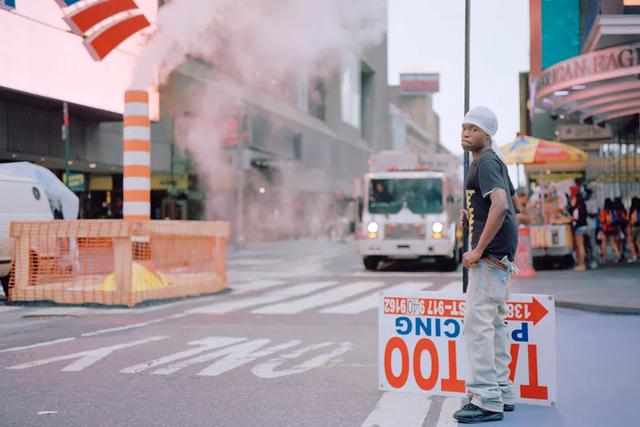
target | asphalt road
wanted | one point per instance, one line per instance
(293, 343)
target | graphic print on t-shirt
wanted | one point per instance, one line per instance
(470, 194)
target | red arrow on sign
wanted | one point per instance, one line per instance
(527, 311)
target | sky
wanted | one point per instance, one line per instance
(430, 34)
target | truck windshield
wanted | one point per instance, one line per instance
(421, 196)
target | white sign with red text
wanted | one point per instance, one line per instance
(421, 348)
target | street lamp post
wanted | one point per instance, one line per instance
(65, 139)
(465, 229)
(240, 164)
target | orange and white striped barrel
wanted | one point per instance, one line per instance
(136, 183)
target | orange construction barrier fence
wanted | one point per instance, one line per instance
(524, 259)
(116, 262)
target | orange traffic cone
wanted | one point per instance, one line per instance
(524, 259)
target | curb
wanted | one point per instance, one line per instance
(603, 309)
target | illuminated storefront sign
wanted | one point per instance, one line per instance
(604, 64)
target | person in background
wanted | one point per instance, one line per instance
(579, 225)
(381, 194)
(521, 205)
(621, 213)
(590, 243)
(610, 225)
(633, 229)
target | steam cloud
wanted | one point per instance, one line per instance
(250, 41)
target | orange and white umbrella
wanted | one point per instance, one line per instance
(528, 150)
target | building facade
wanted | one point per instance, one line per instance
(584, 87)
(415, 125)
(294, 143)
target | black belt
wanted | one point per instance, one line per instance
(496, 263)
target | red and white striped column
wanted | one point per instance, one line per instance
(137, 156)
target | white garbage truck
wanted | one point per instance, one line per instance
(410, 211)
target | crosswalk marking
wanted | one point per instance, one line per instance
(317, 300)
(40, 344)
(248, 262)
(411, 274)
(257, 285)
(452, 287)
(449, 406)
(268, 298)
(399, 409)
(371, 301)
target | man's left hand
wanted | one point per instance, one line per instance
(470, 259)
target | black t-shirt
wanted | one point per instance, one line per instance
(579, 214)
(487, 173)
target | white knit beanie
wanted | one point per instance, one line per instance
(488, 122)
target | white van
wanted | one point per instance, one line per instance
(21, 199)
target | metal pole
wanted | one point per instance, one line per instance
(240, 164)
(65, 139)
(467, 36)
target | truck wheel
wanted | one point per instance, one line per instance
(540, 263)
(371, 262)
(5, 285)
(451, 264)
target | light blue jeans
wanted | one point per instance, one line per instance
(486, 336)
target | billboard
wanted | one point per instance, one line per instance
(79, 52)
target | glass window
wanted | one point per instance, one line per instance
(420, 196)
(350, 90)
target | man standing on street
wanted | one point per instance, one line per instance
(494, 237)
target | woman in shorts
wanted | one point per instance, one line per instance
(579, 225)
(633, 229)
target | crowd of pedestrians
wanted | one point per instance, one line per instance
(602, 232)
(619, 227)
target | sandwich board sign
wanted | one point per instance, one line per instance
(421, 347)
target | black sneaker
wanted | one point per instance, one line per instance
(472, 414)
(509, 407)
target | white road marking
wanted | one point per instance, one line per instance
(41, 344)
(205, 344)
(317, 300)
(268, 369)
(383, 274)
(124, 328)
(247, 262)
(399, 409)
(232, 357)
(452, 287)
(371, 301)
(449, 406)
(244, 354)
(85, 358)
(267, 298)
(243, 288)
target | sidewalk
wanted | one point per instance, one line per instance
(610, 289)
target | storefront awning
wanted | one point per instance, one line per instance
(599, 85)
